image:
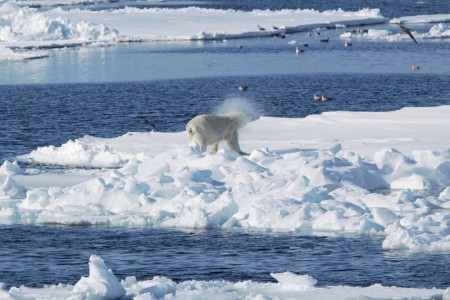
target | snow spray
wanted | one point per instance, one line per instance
(239, 104)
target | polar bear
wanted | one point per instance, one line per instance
(210, 129)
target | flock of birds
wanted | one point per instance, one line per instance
(299, 50)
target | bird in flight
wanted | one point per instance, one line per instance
(408, 32)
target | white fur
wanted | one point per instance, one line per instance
(208, 130)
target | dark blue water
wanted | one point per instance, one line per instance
(42, 115)
(38, 255)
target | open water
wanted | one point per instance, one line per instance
(107, 91)
(38, 255)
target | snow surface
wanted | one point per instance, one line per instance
(27, 28)
(103, 284)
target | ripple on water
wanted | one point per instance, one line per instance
(42, 115)
(38, 255)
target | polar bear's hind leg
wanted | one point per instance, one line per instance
(233, 142)
(215, 147)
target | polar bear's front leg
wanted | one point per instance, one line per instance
(203, 146)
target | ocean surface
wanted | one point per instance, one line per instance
(38, 255)
(107, 91)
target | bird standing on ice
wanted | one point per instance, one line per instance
(299, 50)
(347, 44)
(260, 28)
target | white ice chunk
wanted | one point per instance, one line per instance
(301, 282)
(414, 182)
(101, 283)
(10, 168)
(10, 188)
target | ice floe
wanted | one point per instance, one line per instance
(338, 172)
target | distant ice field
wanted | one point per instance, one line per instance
(393, 8)
(27, 32)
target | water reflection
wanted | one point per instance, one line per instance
(196, 59)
